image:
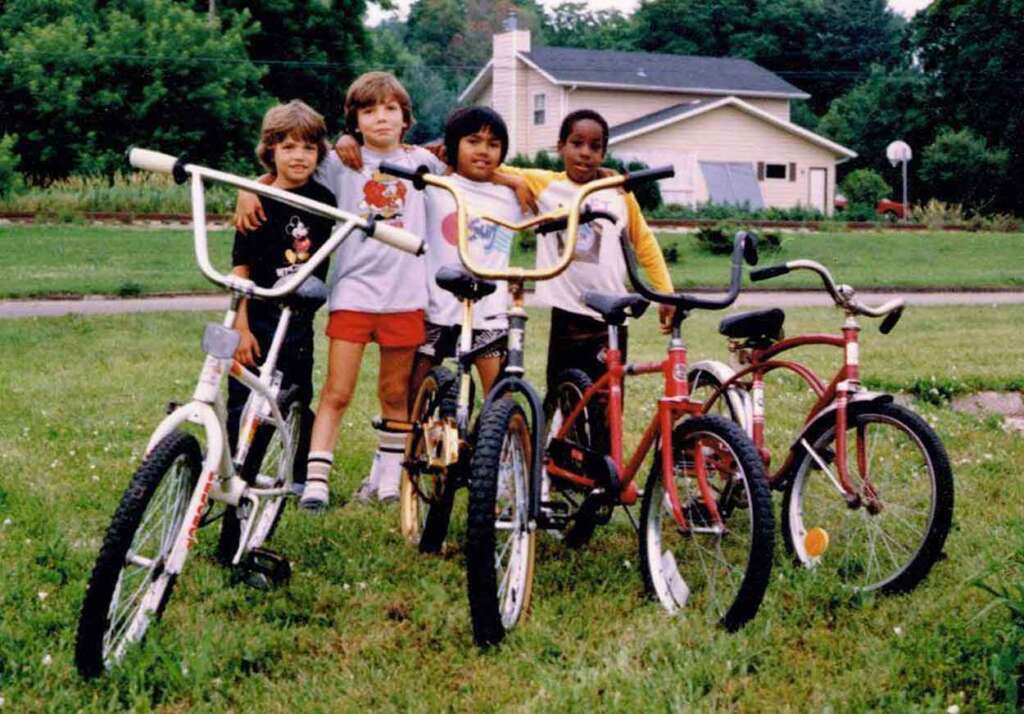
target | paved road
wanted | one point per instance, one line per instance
(185, 303)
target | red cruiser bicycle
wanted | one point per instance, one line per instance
(867, 482)
(706, 525)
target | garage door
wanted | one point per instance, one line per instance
(733, 183)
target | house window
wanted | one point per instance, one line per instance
(775, 171)
(539, 101)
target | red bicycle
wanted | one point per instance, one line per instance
(706, 525)
(868, 485)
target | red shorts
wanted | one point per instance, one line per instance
(387, 329)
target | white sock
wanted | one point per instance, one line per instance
(388, 462)
(318, 469)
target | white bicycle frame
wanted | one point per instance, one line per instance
(219, 480)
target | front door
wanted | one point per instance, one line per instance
(819, 189)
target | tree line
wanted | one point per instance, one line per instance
(80, 80)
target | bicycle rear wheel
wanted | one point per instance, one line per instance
(269, 464)
(427, 491)
(129, 586)
(723, 575)
(499, 542)
(893, 549)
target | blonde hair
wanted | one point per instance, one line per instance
(296, 118)
(373, 88)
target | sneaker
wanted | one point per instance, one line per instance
(366, 492)
(298, 489)
(390, 473)
(315, 496)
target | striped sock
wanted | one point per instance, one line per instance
(318, 469)
(390, 450)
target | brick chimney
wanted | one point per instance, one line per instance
(508, 89)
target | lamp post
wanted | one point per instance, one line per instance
(898, 152)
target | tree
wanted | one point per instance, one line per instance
(308, 48)
(973, 49)
(85, 86)
(574, 24)
(690, 27)
(959, 167)
(888, 105)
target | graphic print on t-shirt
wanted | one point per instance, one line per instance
(486, 236)
(299, 233)
(588, 236)
(383, 196)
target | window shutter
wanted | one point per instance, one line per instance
(760, 171)
(792, 172)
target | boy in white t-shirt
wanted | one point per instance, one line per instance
(476, 142)
(378, 293)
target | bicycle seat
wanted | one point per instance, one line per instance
(309, 296)
(459, 282)
(758, 327)
(615, 308)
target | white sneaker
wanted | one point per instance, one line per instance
(367, 490)
(390, 474)
(315, 496)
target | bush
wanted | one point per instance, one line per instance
(718, 239)
(865, 187)
(936, 214)
(960, 167)
(727, 212)
(859, 212)
(9, 178)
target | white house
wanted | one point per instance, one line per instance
(723, 123)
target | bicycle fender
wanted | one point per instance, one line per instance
(739, 399)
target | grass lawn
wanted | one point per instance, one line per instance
(71, 259)
(368, 624)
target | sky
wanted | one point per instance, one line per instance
(373, 16)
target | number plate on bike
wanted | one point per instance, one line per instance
(219, 341)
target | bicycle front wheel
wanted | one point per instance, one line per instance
(427, 492)
(721, 572)
(129, 586)
(499, 542)
(890, 547)
(269, 464)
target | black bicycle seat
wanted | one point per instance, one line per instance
(759, 327)
(459, 282)
(615, 308)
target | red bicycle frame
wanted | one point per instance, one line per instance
(674, 404)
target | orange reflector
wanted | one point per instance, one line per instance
(816, 542)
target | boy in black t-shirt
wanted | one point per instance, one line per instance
(293, 141)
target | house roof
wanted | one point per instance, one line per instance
(688, 110)
(650, 71)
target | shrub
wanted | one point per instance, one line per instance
(865, 187)
(960, 167)
(9, 178)
(717, 239)
(936, 214)
(859, 212)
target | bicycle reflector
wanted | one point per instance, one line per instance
(816, 542)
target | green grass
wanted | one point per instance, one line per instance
(366, 623)
(71, 259)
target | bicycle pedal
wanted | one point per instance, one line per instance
(263, 569)
(548, 521)
(560, 506)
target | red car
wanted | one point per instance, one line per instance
(890, 210)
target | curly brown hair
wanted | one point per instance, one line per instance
(296, 118)
(373, 88)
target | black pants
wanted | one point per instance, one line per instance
(296, 365)
(580, 342)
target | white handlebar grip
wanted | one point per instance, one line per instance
(151, 160)
(399, 238)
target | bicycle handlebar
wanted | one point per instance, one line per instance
(842, 295)
(158, 162)
(561, 223)
(744, 247)
(573, 217)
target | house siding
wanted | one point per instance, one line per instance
(729, 134)
(544, 136)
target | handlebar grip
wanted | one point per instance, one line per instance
(158, 162)
(559, 224)
(656, 174)
(770, 272)
(413, 176)
(890, 321)
(749, 247)
(397, 237)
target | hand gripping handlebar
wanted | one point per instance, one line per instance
(744, 247)
(842, 295)
(155, 161)
(568, 220)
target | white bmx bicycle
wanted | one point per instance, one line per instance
(170, 496)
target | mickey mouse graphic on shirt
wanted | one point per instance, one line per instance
(588, 236)
(299, 233)
(383, 196)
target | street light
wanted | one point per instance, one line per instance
(898, 152)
